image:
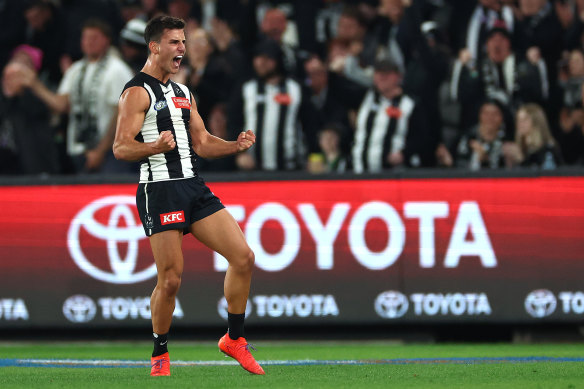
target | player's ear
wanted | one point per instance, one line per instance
(154, 47)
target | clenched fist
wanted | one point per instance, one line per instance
(245, 140)
(165, 142)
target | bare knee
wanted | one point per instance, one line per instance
(244, 262)
(169, 284)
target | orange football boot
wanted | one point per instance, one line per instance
(239, 350)
(160, 365)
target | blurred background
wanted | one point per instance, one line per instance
(418, 171)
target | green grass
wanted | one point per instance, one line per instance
(506, 375)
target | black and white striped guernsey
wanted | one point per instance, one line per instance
(272, 110)
(169, 110)
(382, 128)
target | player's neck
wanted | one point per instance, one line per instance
(155, 71)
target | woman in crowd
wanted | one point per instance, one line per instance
(534, 144)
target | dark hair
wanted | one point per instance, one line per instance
(156, 26)
(354, 13)
(100, 25)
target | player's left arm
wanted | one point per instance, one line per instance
(207, 145)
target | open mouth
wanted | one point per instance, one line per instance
(176, 60)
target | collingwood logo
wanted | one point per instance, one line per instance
(160, 105)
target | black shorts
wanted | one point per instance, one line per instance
(174, 205)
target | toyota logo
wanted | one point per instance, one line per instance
(391, 304)
(79, 309)
(540, 303)
(123, 270)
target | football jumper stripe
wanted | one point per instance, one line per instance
(387, 142)
(269, 140)
(275, 122)
(166, 114)
(377, 133)
(293, 132)
(281, 127)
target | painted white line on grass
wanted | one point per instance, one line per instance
(111, 363)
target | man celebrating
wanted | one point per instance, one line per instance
(158, 123)
(88, 92)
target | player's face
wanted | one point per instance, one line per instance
(171, 50)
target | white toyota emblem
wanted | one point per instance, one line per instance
(391, 304)
(123, 270)
(79, 309)
(540, 303)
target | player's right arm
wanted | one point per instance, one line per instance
(132, 108)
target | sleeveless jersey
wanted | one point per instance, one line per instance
(169, 110)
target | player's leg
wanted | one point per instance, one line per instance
(220, 232)
(166, 247)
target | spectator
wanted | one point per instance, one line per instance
(130, 9)
(182, 9)
(13, 28)
(426, 72)
(570, 137)
(46, 30)
(330, 157)
(534, 145)
(133, 47)
(89, 93)
(571, 15)
(152, 8)
(230, 49)
(571, 83)
(356, 61)
(470, 25)
(538, 26)
(26, 135)
(395, 28)
(273, 26)
(78, 12)
(391, 127)
(217, 125)
(332, 96)
(206, 74)
(276, 108)
(482, 147)
(500, 76)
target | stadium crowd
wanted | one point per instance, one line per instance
(327, 86)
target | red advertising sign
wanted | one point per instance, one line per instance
(344, 251)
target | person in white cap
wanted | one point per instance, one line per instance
(132, 44)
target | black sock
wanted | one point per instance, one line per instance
(160, 344)
(235, 323)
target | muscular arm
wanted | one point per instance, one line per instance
(132, 107)
(210, 146)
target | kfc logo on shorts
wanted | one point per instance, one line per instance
(181, 102)
(172, 217)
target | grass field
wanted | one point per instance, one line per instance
(433, 367)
